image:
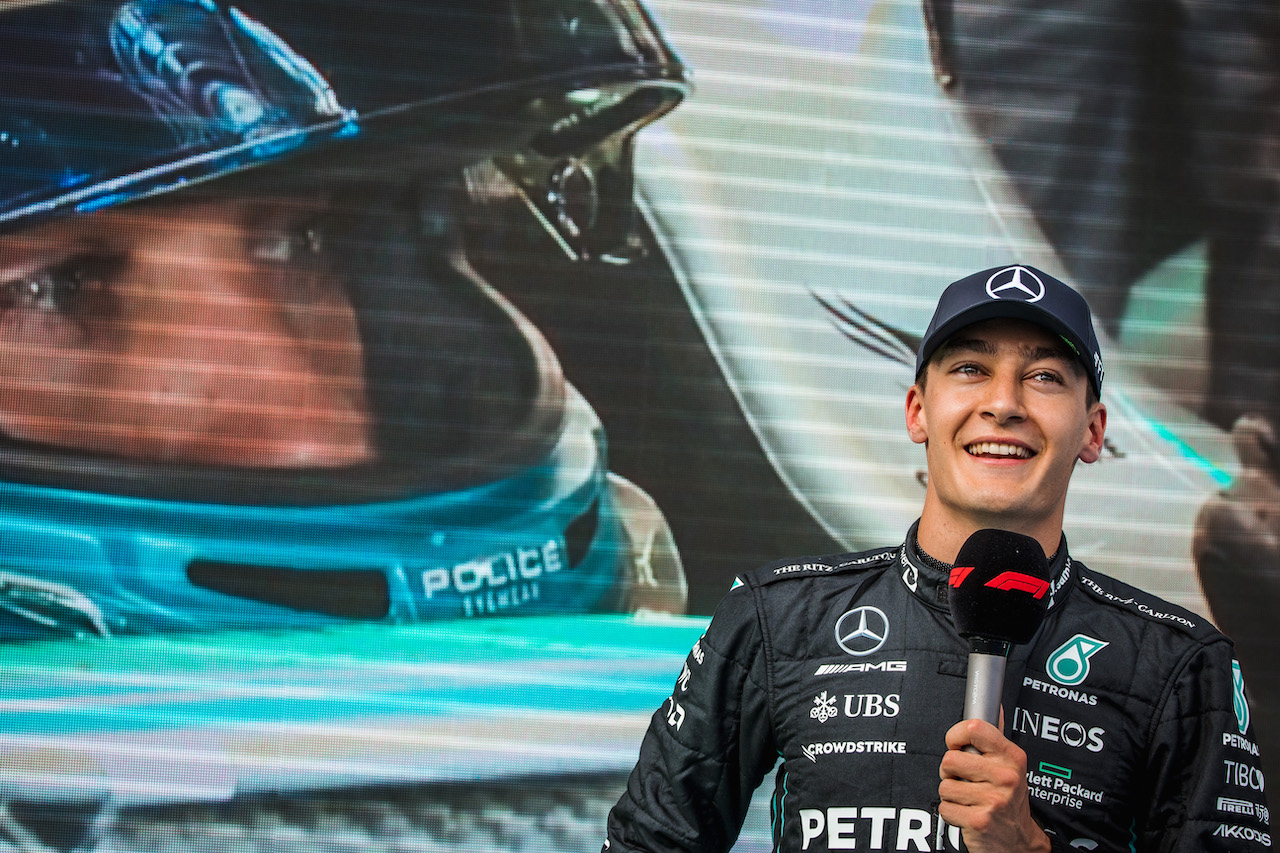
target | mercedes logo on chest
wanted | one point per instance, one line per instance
(862, 630)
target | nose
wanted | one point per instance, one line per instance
(258, 371)
(299, 382)
(307, 413)
(1003, 401)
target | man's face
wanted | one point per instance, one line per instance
(210, 332)
(1003, 416)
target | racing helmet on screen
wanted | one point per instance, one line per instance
(484, 489)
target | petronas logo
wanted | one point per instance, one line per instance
(1237, 697)
(1069, 665)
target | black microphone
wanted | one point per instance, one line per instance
(999, 595)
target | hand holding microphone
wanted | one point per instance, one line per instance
(999, 595)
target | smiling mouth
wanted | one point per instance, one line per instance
(1002, 451)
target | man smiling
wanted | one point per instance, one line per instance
(1004, 407)
(1124, 724)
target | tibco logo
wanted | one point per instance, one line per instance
(1244, 775)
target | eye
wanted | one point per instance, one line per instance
(1047, 376)
(291, 243)
(60, 287)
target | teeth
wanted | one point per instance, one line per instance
(990, 448)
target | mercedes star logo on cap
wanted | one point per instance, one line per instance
(1016, 283)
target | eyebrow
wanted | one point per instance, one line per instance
(24, 257)
(980, 346)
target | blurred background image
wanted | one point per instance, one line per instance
(394, 388)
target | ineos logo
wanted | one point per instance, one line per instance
(1016, 283)
(862, 631)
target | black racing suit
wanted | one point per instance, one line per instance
(848, 670)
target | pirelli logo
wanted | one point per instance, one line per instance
(1231, 805)
(1244, 808)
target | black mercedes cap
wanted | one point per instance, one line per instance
(1021, 292)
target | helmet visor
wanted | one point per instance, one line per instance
(268, 329)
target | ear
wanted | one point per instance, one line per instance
(917, 428)
(1091, 444)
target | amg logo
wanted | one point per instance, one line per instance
(842, 668)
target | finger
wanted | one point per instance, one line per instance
(954, 815)
(975, 733)
(963, 765)
(987, 738)
(958, 792)
(962, 816)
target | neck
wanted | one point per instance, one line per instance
(941, 536)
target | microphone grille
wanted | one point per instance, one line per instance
(999, 586)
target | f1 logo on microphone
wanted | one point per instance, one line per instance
(1005, 582)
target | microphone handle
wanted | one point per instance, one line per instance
(985, 681)
(983, 687)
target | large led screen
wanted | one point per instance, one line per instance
(394, 388)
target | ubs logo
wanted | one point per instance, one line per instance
(1017, 283)
(862, 631)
